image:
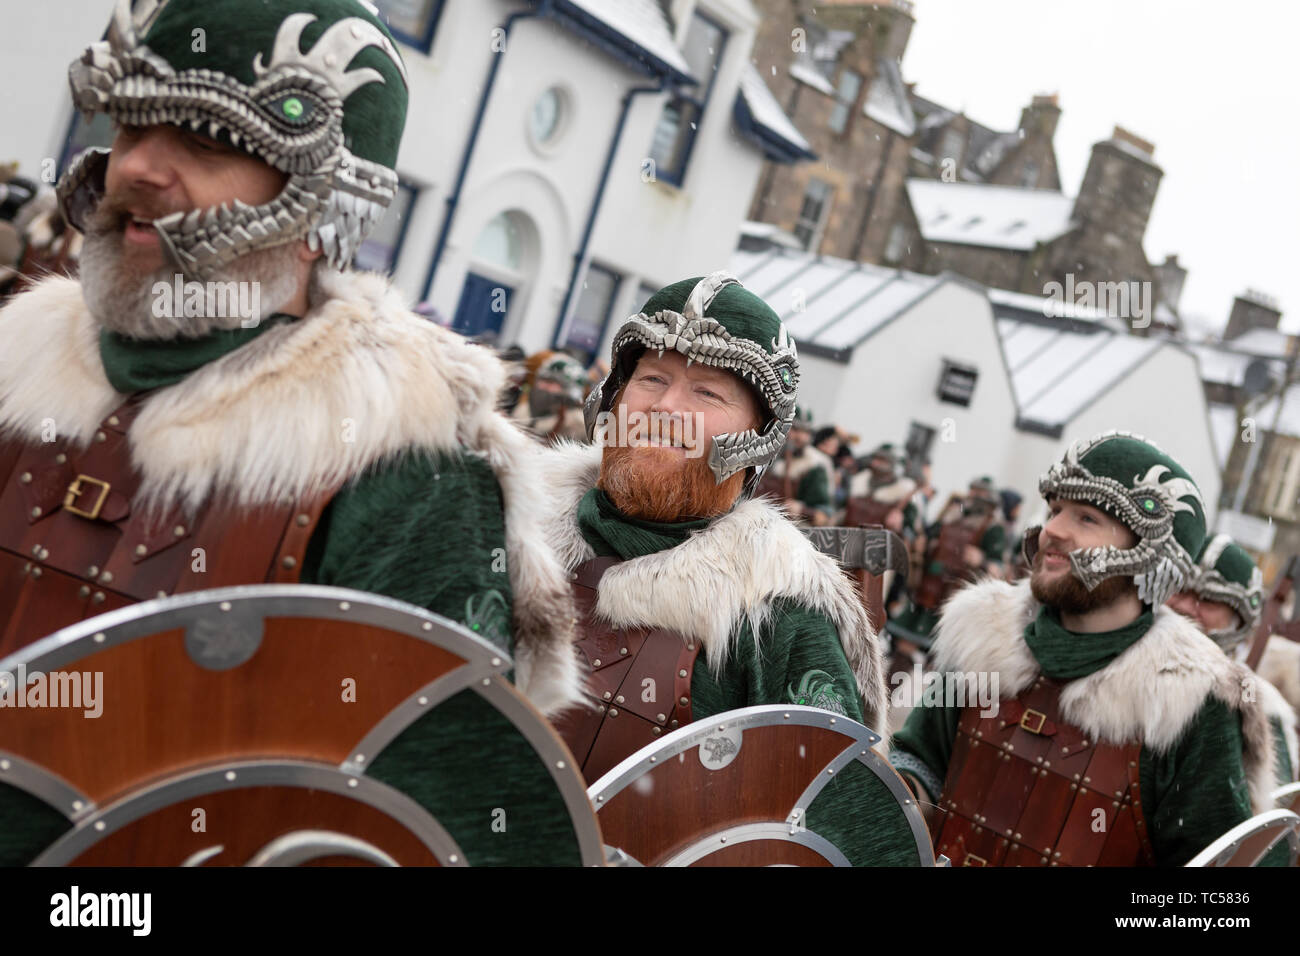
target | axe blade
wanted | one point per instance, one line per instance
(874, 550)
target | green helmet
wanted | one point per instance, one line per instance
(716, 321)
(1151, 494)
(1226, 573)
(330, 116)
(568, 373)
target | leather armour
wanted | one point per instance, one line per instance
(74, 544)
(863, 512)
(1025, 788)
(638, 686)
(949, 549)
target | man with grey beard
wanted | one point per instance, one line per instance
(150, 447)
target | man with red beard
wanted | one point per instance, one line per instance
(656, 522)
(1101, 751)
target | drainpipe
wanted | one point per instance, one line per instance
(581, 254)
(453, 199)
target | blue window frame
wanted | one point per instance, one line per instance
(413, 22)
(674, 137)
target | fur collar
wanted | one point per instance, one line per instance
(811, 457)
(735, 568)
(1150, 692)
(305, 406)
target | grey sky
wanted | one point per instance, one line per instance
(1216, 87)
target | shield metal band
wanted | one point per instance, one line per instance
(737, 789)
(1249, 842)
(277, 725)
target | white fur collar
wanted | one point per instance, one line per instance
(734, 569)
(892, 493)
(1150, 692)
(304, 407)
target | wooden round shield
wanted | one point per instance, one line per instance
(1249, 842)
(280, 725)
(759, 786)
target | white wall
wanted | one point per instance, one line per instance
(38, 43)
(892, 380)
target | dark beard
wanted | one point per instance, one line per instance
(653, 484)
(1069, 596)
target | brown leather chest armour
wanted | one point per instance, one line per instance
(72, 544)
(1025, 788)
(949, 549)
(863, 511)
(638, 688)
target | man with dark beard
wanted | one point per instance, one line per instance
(1102, 751)
(154, 443)
(656, 523)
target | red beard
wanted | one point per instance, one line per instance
(657, 484)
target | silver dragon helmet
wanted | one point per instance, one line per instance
(1137, 483)
(715, 321)
(1226, 574)
(330, 118)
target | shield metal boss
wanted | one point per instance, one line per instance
(761, 786)
(280, 725)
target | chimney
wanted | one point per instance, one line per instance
(1119, 189)
(1171, 277)
(1041, 116)
(889, 22)
(1252, 310)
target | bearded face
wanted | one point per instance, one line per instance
(659, 470)
(1067, 594)
(153, 172)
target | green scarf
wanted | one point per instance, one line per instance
(138, 365)
(613, 534)
(1065, 655)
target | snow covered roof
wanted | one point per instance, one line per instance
(640, 25)
(760, 118)
(1056, 373)
(1268, 342)
(1224, 366)
(803, 70)
(887, 101)
(1007, 302)
(827, 303)
(1001, 217)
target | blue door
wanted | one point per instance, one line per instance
(484, 304)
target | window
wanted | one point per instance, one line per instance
(816, 202)
(501, 243)
(595, 300)
(894, 245)
(411, 21)
(846, 95)
(957, 383)
(380, 250)
(670, 149)
(546, 118)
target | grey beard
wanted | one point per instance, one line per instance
(124, 303)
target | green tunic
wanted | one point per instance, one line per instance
(796, 658)
(1191, 794)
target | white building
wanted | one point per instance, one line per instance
(540, 136)
(981, 380)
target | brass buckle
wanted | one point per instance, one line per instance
(1042, 719)
(75, 490)
(973, 860)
